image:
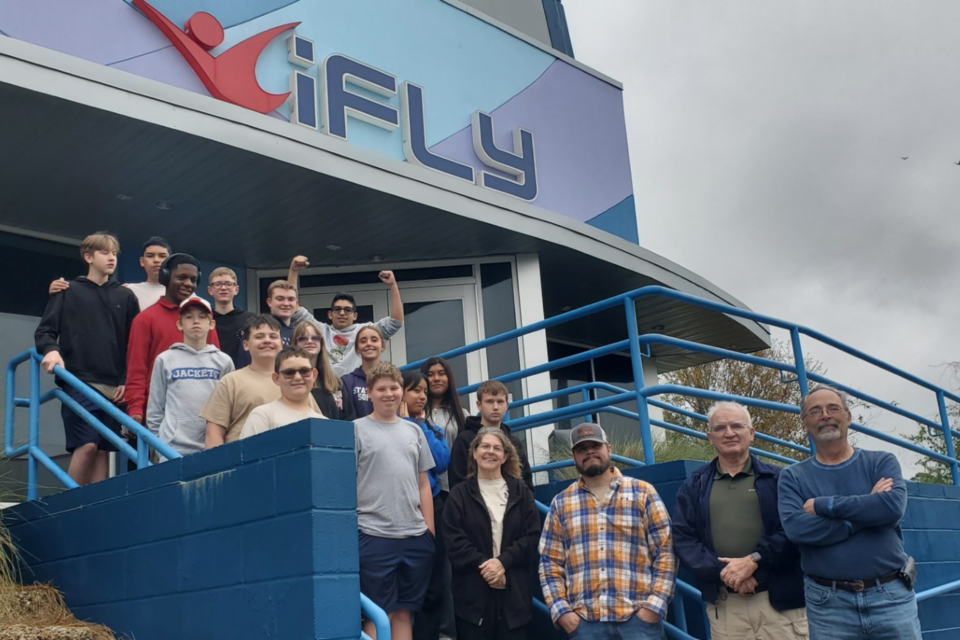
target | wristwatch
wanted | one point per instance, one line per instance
(755, 557)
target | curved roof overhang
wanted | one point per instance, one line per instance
(251, 190)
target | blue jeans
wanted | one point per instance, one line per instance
(884, 612)
(632, 629)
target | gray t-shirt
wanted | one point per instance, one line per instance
(390, 457)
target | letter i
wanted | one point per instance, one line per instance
(303, 87)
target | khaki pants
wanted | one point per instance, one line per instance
(737, 617)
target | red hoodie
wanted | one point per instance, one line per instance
(152, 333)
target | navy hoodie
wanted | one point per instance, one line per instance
(355, 392)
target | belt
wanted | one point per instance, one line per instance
(856, 586)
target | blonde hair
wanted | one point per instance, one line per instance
(384, 370)
(99, 241)
(330, 381)
(510, 466)
(279, 284)
(222, 271)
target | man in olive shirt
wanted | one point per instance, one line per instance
(727, 532)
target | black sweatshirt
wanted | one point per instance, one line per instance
(230, 331)
(89, 325)
(460, 452)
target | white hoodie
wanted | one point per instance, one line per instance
(183, 379)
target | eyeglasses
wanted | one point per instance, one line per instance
(222, 285)
(303, 339)
(344, 310)
(490, 447)
(832, 409)
(290, 374)
(736, 428)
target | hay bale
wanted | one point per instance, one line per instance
(37, 612)
(25, 632)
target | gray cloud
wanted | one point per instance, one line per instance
(766, 143)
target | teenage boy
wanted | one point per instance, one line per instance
(183, 379)
(394, 505)
(155, 251)
(282, 301)
(84, 330)
(492, 400)
(223, 287)
(294, 374)
(341, 333)
(242, 391)
(155, 329)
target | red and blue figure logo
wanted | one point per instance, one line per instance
(230, 76)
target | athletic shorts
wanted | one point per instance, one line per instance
(77, 432)
(395, 572)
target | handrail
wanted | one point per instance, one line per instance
(145, 437)
(937, 591)
(377, 615)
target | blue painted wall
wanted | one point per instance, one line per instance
(255, 539)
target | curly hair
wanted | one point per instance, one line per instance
(510, 466)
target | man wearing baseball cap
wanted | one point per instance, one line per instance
(606, 557)
(183, 379)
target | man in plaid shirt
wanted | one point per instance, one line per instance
(606, 557)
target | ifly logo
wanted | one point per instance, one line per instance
(325, 101)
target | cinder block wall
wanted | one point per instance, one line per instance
(256, 539)
(931, 532)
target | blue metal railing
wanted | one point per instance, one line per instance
(639, 346)
(145, 438)
(376, 615)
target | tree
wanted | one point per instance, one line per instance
(748, 380)
(934, 471)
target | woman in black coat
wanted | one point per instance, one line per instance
(491, 528)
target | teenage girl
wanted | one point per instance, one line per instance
(443, 407)
(369, 346)
(426, 622)
(328, 388)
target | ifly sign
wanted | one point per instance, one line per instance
(327, 99)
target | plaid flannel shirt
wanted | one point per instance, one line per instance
(606, 559)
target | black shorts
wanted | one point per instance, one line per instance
(77, 432)
(395, 572)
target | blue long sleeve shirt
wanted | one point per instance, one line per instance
(855, 535)
(438, 447)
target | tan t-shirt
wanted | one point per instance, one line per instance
(236, 395)
(273, 415)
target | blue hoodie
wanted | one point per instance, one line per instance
(439, 449)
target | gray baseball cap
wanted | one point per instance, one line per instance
(587, 432)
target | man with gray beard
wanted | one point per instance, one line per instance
(843, 507)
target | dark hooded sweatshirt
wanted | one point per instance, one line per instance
(460, 452)
(89, 325)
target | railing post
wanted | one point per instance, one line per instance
(948, 437)
(585, 394)
(633, 332)
(801, 376)
(679, 612)
(33, 425)
(143, 453)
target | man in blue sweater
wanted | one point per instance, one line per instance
(843, 509)
(727, 532)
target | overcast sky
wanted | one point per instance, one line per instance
(766, 141)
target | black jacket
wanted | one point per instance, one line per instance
(693, 542)
(468, 536)
(460, 452)
(230, 328)
(328, 405)
(89, 325)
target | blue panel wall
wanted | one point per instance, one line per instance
(255, 539)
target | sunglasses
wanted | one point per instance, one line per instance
(290, 374)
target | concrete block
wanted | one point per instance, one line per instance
(335, 542)
(340, 594)
(212, 461)
(154, 569)
(316, 478)
(243, 494)
(280, 547)
(211, 560)
(155, 476)
(128, 521)
(94, 579)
